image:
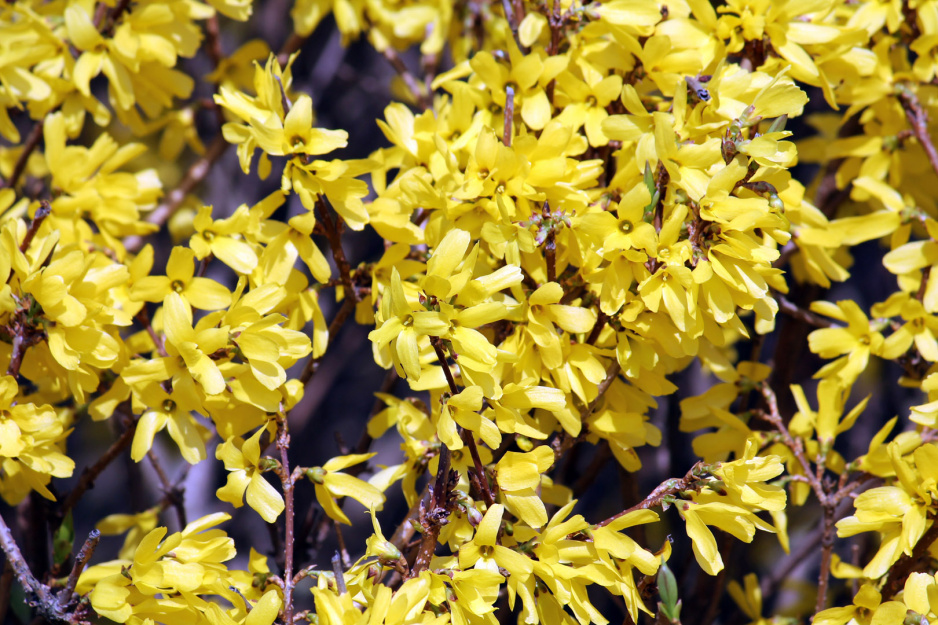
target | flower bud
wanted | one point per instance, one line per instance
(316, 475)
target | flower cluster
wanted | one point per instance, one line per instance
(590, 203)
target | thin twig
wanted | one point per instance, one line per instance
(338, 254)
(44, 210)
(173, 494)
(550, 244)
(514, 14)
(15, 557)
(343, 550)
(437, 344)
(413, 85)
(29, 146)
(827, 550)
(668, 488)
(466, 435)
(144, 318)
(288, 481)
(214, 51)
(918, 119)
(196, 173)
(509, 114)
(797, 449)
(84, 554)
(601, 320)
(791, 309)
(339, 574)
(90, 474)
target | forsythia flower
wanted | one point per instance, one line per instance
(331, 484)
(246, 477)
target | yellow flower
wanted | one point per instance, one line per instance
(519, 475)
(173, 411)
(545, 310)
(222, 237)
(246, 476)
(30, 448)
(857, 341)
(331, 484)
(202, 293)
(485, 552)
(194, 346)
(898, 512)
(826, 422)
(868, 606)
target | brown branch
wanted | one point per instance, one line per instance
(556, 22)
(84, 554)
(481, 478)
(44, 210)
(29, 146)
(338, 254)
(827, 499)
(441, 356)
(514, 14)
(24, 338)
(662, 180)
(918, 119)
(343, 550)
(791, 309)
(466, 435)
(827, 550)
(668, 488)
(601, 320)
(437, 516)
(611, 374)
(172, 493)
(196, 173)
(550, 244)
(288, 482)
(339, 574)
(293, 43)
(905, 565)
(90, 474)
(214, 51)
(144, 318)
(797, 449)
(509, 114)
(15, 557)
(422, 99)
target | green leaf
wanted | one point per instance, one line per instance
(667, 588)
(778, 124)
(63, 540)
